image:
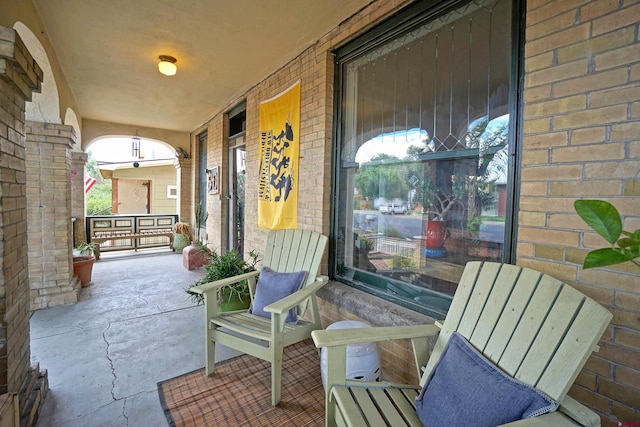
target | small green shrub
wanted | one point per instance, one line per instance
(229, 264)
(86, 247)
(403, 263)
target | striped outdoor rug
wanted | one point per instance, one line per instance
(239, 393)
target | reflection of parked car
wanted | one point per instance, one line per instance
(393, 208)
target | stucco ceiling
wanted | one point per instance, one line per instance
(108, 51)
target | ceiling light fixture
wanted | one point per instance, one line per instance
(167, 65)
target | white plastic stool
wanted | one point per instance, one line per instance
(363, 360)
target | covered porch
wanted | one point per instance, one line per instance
(574, 115)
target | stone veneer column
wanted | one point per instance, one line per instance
(20, 76)
(49, 226)
(183, 178)
(78, 163)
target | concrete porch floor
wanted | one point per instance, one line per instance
(133, 327)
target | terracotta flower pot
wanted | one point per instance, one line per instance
(435, 233)
(193, 257)
(83, 267)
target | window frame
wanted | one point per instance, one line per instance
(405, 20)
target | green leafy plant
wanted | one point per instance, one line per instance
(201, 218)
(437, 201)
(605, 220)
(366, 245)
(403, 262)
(86, 247)
(229, 264)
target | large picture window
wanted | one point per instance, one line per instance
(423, 157)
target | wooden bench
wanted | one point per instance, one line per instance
(98, 240)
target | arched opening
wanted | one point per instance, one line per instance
(130, 175)
(71, 119)
(44, 106)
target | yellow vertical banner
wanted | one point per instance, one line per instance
(279, 155)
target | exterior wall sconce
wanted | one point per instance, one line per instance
(167, 65)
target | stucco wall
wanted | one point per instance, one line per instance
(24, 11)
(94, 129)
(160, 177)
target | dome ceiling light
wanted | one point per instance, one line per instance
(167, 65)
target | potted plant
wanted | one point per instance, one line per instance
(193, 255)
(181, 236)
(436, 203)
(83, 262)
(85, 249)
(605, 220)
(201, 219)
(229, 264)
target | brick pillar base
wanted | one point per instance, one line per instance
(49, 224)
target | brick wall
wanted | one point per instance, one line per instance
(217, 155)
(314, 68)
(183, 178)
(49, 226)
(581, 140)
(19, 77)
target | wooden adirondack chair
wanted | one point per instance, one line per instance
(532, 326)
(286, 251)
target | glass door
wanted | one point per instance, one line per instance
(202, 182)
(235, 195)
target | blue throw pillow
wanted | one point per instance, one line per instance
(466, 389)
(273, 286)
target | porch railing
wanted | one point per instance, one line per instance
(130, 232)
(392, 246)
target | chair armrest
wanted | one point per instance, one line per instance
(570, 413)
(285, 304)
(576, 410)
(554, 419)
(211, 286)
(335, 342)
(338, 337)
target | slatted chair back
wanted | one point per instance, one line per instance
(266, 336)
(291, 250)
(534, 327)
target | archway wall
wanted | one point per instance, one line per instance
(24, 12)
(45, 105)
(93, 130)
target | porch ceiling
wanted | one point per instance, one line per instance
(108, 51)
